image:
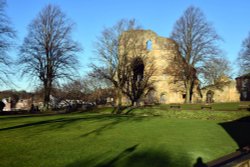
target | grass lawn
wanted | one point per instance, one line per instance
(148, 137)
(229, 106)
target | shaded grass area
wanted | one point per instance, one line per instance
(149, 137)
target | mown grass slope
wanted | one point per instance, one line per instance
(147, 137)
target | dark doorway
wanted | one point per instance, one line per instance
(136, 80)
(163, 98)
(210, 95)
(138, 69)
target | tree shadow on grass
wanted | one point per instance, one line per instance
(33, 115)
(103, 128)
(156, 158)
(58, 123)
(29, 115)
(95, 161)
(132, 158)
(239, 130)
(123, 154)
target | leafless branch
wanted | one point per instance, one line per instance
(198, 43)
(48, 52)
(7, 35)
(244, 56)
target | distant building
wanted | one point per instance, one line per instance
(243, 86)
(8, 104)
(21, 104)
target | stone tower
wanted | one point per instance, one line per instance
(157, 50)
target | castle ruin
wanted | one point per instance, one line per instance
(159, 50)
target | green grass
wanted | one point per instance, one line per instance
(148, 137)
(191, 114)
(229, 106)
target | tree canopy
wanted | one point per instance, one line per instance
(197, 40)
(48, 52)
(7, 36)
(244, 56)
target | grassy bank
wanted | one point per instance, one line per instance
(148, 137)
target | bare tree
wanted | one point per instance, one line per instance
(80, 88)
(97, 90)
(116, 49)
(136, 68)
(107, 50)
(216, 72)
(244, 56)
(177, 70)
(7, 35)
(197, 41)
(48, 53)
(74, 90)
(139, 80)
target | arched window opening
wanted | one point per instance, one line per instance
(149, 45)
(210, 95)
(163, 98)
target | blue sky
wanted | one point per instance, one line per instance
(229, 18)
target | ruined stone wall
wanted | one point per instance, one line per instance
(227, 93)
(162, 49)
(166, 90)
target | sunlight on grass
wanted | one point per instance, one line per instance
(171, 138)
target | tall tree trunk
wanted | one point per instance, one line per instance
(46, 98)
(47, 92)
(119, 104)
(188, 91)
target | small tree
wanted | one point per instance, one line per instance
(197, 41)
(48, 53)
(216, 72)
(97, 90)
(7, 35)
(74, 90)
(244, 56)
